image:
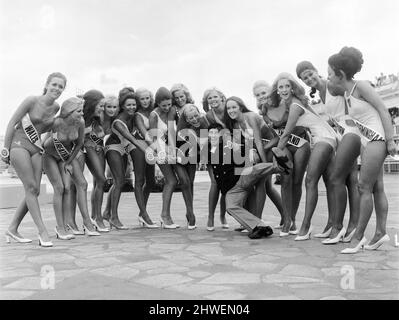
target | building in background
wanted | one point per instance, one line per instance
(388, 89)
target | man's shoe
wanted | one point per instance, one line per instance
(266, 231)
(260, 232)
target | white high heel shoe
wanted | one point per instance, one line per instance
(323, 234)
(75, 232)
(349, 237)
(143, 224)
(44, 243)
(377, 244)
(210, 228)
(340, 236)
(98, 228)
(61, 237)
(356, 249)
(306, 236)
(10, 236)
(191, 227)
(168, 226)
(90, 233)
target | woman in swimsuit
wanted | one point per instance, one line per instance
(144, 179)
(22, 147)
(275, 113)
(120, 144)
(163, 132)
(261, 90)
(213, 103)
(324, 143)
(344, 173)
(93, 113)
(60, 164)
(192, 134)
(372, 119)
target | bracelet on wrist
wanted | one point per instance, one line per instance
(5, 153)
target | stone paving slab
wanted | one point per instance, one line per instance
(196, 264)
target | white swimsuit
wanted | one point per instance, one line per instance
(319, 129)
(136, 133)
(366, 118)
(334, 106)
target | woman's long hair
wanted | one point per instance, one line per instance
(298, 91)
(230, 122)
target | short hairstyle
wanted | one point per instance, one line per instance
(182, 122)
(349, 60)
(215, 125)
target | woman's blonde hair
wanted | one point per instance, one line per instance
(205, 104)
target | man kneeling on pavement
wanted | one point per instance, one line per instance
(236, 177)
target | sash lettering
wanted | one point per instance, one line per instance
(293, 140)
(337, 127)
(368, 133)
(60, 148)
(98, 141)
(31, 131)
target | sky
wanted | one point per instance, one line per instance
(105, 45)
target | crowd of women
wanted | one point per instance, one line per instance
(323, 140)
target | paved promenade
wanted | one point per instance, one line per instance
(184, 264)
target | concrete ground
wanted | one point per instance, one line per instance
(183, 264)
